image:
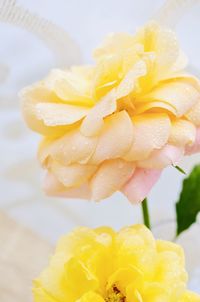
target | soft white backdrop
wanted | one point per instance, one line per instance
(24, 59)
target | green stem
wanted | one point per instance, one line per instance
(145, 212)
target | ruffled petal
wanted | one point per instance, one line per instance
(179, 95)
(151, 131)
(140, 184)
(73, 175)
(195, 148)
(71, 148)
(110, 177)
(53, 187)
(194, 114)
(182, 133)
(160, 159)
(59, 114)
(115, 139)
(72, 86)
(30, 97)
(129, 82)
(93, 122)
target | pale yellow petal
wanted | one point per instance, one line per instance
(72, 175)
(71, 86)
(110, 177)
(93, 122)
(182, 133)
(161, 41)
(118, 42)
(181, 96)
(71, 148)
(59, 114)
(30, 97)
(193, 114)
(115, 139)
(128, 84)
(151, 131)
(53, 187)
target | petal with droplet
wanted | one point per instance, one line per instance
(115, 139)
(70, 148)
(72, 175)
(110, 177)
(182, 133)
(151, 131)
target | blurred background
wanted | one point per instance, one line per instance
(35, 36)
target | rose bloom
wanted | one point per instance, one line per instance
(101, 265)
(116, 125)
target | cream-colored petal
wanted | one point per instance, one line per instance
(30, 97)
(193, 114)
(115, 139)
(72, 175)
(117, 42)
(180, 95)
(93, 122)
(151, 131)
(110, 177)
(71, 86)
(182, 133)
(161, 41)
(159, 159)
(59, 114)
(128, 83)
(195, 148)
(53, 187)
(70, 148)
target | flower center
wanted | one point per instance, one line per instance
(114, 295)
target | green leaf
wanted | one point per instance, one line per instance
(188, 206)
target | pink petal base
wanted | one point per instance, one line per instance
(195, 148)
(140, 184)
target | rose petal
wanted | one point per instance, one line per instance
(195, 148)
(30, 97)
(151, 132)
(73, 175)
(116, 138)
(182, 133)
(71, 86)
(53, 187)
(128, 83)
(140, 184)
(180, 95)
(159, 159)
(110, 177)
(59, 114)
(71, 148)
(94, 120)
(194, 114)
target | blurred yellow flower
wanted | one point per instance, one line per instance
(100, 265)
(115, 125)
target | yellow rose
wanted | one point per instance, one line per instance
(115, 125)
(101, 265)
